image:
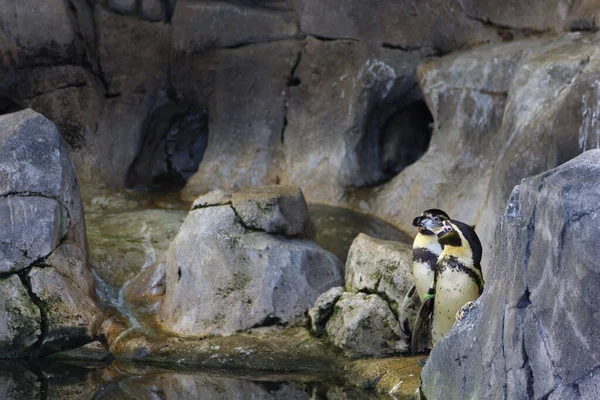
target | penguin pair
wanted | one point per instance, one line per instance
(447, 272)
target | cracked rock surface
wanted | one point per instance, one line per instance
(533, 333)
(43, 241)
(224, 274)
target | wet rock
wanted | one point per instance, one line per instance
(94, 351)
(70, 261)
(274, 209)
(380, 266)
(222, 277)
(148, 286)
(515, 343)
(320, 313)
(20, 319)
(363, 325)
(17, 381)
(71, 317)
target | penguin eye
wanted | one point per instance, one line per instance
(436, 219)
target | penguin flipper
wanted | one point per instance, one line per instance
(422, 317)
(408, 311)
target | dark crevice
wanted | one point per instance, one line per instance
(63, 87)
(292, 81)
(38, 194)
(404, 47)
(201, 206)
(389, 301)
(35, 350)
(269, 320)
(242, 223)
(332, 39)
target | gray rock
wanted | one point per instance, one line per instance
(222, 278)
(213, 198)
(34, 227)
(70, 262)
(380, 266)
(20, 319)
(320, 313)
(122, 5)
(273, 209)
(152, 9)
(363, 325)
(516, 344)
(202, 25)
(70, 315)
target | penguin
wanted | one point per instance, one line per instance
(458, 279)
(426, 250)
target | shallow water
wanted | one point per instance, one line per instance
(20, 380)
(337, 227)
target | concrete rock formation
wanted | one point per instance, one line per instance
(230, 269)
(535, 337)
(43, 256)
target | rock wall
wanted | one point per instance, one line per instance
(502, 113)
(208, 62)
(533, 331)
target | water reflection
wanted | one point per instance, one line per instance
(20, 380)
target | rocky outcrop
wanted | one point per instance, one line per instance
(43, 256)
(535, 337)
(231, 269)
(512, 120)
(362, 318)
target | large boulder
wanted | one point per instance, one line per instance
(224, 275)
(44, 241)
(535, 337)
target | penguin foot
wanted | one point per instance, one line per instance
(464, 310)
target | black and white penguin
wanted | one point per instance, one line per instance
(458, 279)
(426, 250)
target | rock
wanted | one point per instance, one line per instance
(320, 313)
(274, 209)
(20, 319)
(34, 163)
(199, 25)
(222, 278)
(70, 315)
(247, 142)
(480, 98)
(94, 351)
(515, 343)
(34, 228)
(70, 261)
(148, 286)
(214, 198)
(363, 325)
(126, 6)
(331, 141)
(380, 266)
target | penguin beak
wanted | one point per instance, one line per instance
(432, 226)
(417, 221)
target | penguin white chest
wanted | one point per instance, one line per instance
(423, 275)
(454, 288)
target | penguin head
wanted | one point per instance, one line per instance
(430, 221)
(448, 234)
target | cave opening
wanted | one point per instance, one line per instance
(173, 142)
(404, 138)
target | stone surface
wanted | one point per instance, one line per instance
(363, 325)
(222, 278)
(273, 209)
(380, 266)
(94, 351)
(71, 316)
(536, 337)
(34, 228)
(20, 319)
(512, 121)
(323, 308)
